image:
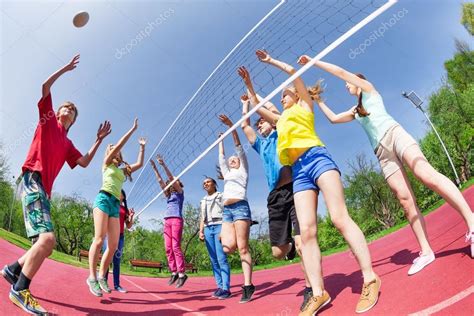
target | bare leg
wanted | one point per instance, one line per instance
(331, 187)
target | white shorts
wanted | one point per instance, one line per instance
(391, 148)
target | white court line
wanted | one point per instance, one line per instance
(440, 306)
(164, 299)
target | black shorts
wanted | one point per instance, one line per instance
(282, 215)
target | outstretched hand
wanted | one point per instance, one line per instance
(244, 98)
(104, 130)
(73, 63)
(245, 75)
(226, 120)
(135, 124)
(160, 159)
(142, 141)
(263, 55)
(303, 60)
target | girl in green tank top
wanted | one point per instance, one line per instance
(106, 209)
(297, 137)
(378, 124)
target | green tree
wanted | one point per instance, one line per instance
(467, 18)
(73, 223)
(452, 112)
(368, 195)
(460, 69)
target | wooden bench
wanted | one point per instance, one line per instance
(190, 267)
(85, 254)
(146, 264)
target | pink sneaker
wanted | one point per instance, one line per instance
(470, 239)
(421, 262)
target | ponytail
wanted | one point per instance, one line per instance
(316, 91)
(360, 108)
(124, 202)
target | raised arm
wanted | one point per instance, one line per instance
(104, 130)
(141, 153)
(46, 88)
(243, 158)
(170, 176)
(118, 147)
(267, 115)
(246, 127)
(129, 220)
(342, 117)
(226, 120)
(305, 98)
(339, 72)
(158, 175)
(222, 163)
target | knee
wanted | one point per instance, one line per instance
(112, 247)
(228, 249)
(430, 179)
(277, 253)
(176, 249)
(339, 222)
(48, 242)
(308, 234)
(407, 203)
(244, 251)
(99, 242)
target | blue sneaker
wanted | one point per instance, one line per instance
(24, 300)
(9, 275)
(217, 293)
(225, 294)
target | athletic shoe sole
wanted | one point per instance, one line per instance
(322, 306)
(90, 289)
(15, 301)
(243, 302)
(375, 303)
(421, 267)
(7, 276)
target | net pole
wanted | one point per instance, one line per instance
(298, 73)
(202, 86)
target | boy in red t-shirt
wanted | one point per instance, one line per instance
(48, 152)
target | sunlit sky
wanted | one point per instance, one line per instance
(155, 79)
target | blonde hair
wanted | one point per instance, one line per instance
(127, 170)
(314, 91)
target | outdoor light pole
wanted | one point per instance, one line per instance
(417, 102)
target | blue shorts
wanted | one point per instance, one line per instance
(107, 203)
(310, 166)
(237, 211)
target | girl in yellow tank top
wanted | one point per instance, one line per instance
(106, 209)
(313, 171)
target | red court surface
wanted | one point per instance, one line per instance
(445, 287)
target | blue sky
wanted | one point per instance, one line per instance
(157, 76)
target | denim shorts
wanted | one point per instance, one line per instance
(237, 211)
(310, 166)
(107, 203)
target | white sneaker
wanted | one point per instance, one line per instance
(470, 239)
(421, 262)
